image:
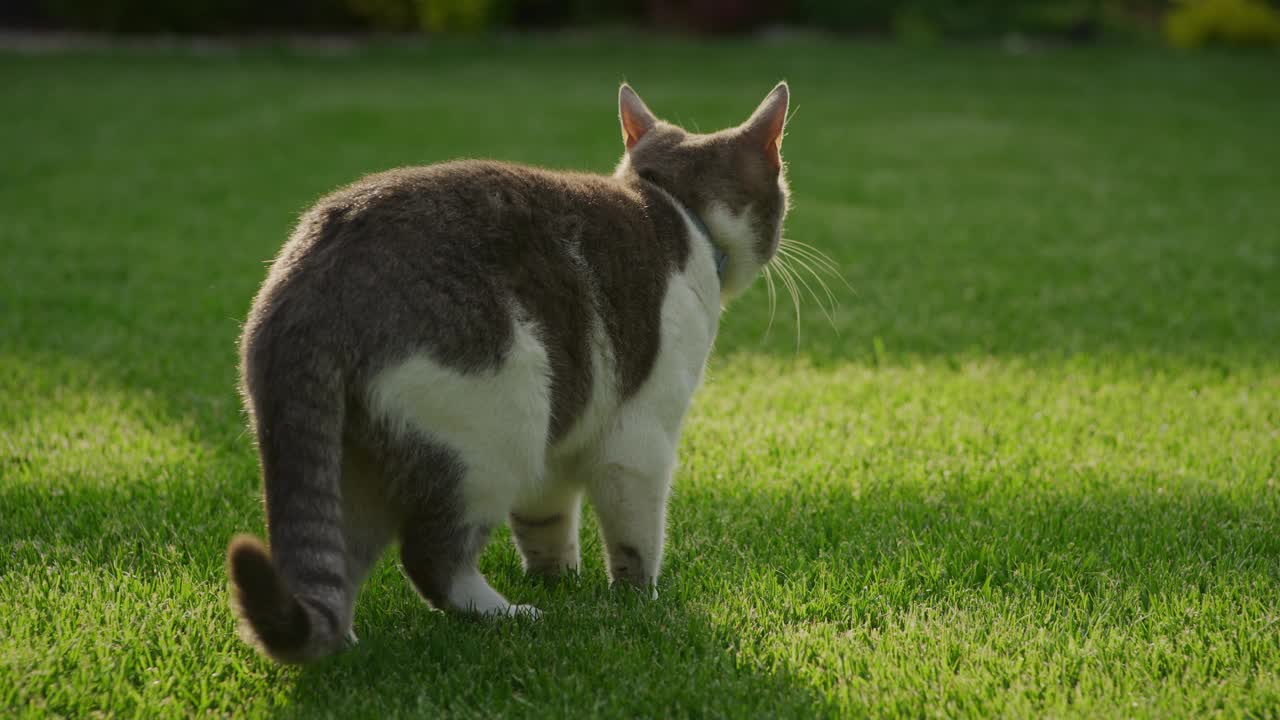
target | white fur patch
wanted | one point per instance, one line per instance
(734, 233)
(601, 404)
(649, 422)
(496, 421)
(472, 593)
(639, 455)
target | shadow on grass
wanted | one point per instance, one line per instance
(881, 550)
(1078, 560)
(734, 551)
(595, 652)
(632, 657)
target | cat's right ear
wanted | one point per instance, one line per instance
(765, 126)
(636, 118)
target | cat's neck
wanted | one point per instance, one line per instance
(718, 254)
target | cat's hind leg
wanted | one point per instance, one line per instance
(442, 564)
(368, 522)
(439, 544)
(468, 443)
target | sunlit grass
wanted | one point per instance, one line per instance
(1027, 467)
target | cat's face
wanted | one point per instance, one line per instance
(734, 180)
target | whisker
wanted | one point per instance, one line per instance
(802, 243)
(773, 299)
(812, 262)
(786, 274)
(828, 309)
(831, 298)
(816, 255)
(813, 251)
(816, 300)
(820, 257)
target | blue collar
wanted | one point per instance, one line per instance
(720, 256)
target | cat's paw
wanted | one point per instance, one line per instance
(553, 572)
(525, 611)
(522, 611)
(550, 562)
(513, 611)
(646, 590)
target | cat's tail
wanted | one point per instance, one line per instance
(295, 600)
(287, 627)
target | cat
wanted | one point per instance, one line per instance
(437, 350)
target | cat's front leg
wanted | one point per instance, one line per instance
(546, 532)
(630, 502)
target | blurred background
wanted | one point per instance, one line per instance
(1189, 23)
(1003, 443)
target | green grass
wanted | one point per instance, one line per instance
(1032, 470)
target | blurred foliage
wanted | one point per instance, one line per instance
(429, 15)
(937, 17)
(478, 15)
(221, 16)
(924, 20)
(386, 14)
(187, 16)
(1186, 23)
(456, 15)
(1195, 23)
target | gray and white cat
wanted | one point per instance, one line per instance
(439, 349)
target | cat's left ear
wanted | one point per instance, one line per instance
(636, 118)
(763, 130)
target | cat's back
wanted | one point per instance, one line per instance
(483, 226)
(475, 198)
(444, 259)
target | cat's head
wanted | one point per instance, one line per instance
(733, 180)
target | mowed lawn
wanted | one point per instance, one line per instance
(1029, 467)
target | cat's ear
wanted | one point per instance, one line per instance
(763, 130)
(636, 118)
